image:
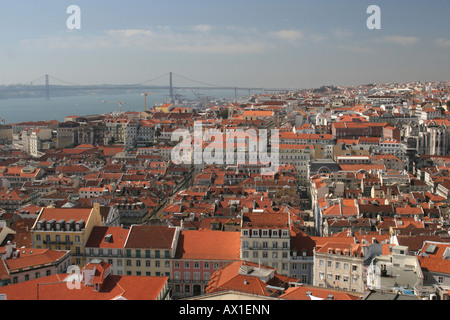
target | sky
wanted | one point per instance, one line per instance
(245, 43)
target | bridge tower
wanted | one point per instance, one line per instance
(47, 87)
(171, 89)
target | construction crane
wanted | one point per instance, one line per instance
(119, 102)
(145, 94)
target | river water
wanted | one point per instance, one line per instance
(38, 109)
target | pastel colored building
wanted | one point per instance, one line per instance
(199, 254)
(65, 229)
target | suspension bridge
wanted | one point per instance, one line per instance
(48, 86)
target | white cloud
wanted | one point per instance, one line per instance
(399, 40)
(130, 32)
(202, 28)
(289, 35)
(193, 39)
(341, 33)
(443, 42)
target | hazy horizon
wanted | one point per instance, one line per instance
(264, 43)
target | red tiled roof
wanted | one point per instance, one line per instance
(115, 286)
(209, 244)
(300, 293)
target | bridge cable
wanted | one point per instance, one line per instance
(199, 82)
(164, 75)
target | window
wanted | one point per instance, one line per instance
(321, 263)
(128, 263)
(187, 276)
(138, 253)
(38, 237)
(216, 265)
(265, 233)
(354, 267)
(329, 263)
(147, 263)
(138, 263)
(255, 233)
(196, 265)
(304, 266)
(157, 264)
(206, 265)
(147, 253)
(157, 254)
(441, 280)
(265, 244)
(128, 253)
(167, 264)
(27, 277)
(167, 254)
(186, 265)
(304, 278)
(77, 239)
(338, 265)
(177, 265)
(206, 276)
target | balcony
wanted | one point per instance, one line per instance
(66, 243)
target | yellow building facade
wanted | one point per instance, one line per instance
(65, 229)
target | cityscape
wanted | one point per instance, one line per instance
(249, 191)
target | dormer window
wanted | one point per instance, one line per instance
(255, 233)
(274, 233)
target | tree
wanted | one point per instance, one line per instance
(224, 114)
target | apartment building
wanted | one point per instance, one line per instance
(199, 254)
(394, 269)
(265, 239)
(299, 156)
(149, 250)
(340, 266)
(65, 229)
(24, 264)
(107, 244)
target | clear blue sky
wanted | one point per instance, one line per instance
(266, 43)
